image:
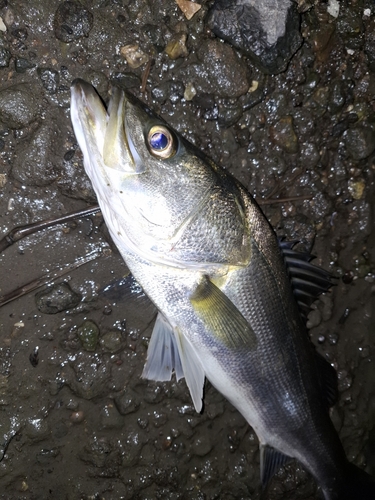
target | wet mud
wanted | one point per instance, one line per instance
(76, 419)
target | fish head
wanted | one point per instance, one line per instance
(150, 183)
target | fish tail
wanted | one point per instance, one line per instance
(357, 485)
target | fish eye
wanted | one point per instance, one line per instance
(161, 142)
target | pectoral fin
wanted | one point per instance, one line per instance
(221, 316)
(169, 351)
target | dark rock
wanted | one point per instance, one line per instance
(283, 135)
(72, 21)
(20, 34)
(338, 93)
(22, 65)
(32, 165)
(5, 56)
(229, 114)
(127, 402)
(268, 32)
(18, 106)
(50, 79)
(220, 72)
(56, 299)
(360, 141)
(172, 90)
(88, 334)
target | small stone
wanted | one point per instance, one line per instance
(110, 417)
(202, 446)
(50, 79)
(127, 402)
(18, 106)
(36, 429)
(111, 341)
(314, 319)
(5, 56)
(356, 188)
(88, 334)
(360, 141)
(176, 47)
(57, 298)
(134, 56)
(72, 21)
(77, 417)
(283, 135)
(190, 92)
(188, 8)
(22, 65)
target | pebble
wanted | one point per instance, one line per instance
(18, 106)
(31, 166)
(50, 79)
(219, 72)
(88, 334)
(134, 56)
(356, 188)
(72, 21)
(127, 402)
(176, 47)
(111, 341)
(283, 135)
(57, 298)
(360, 141)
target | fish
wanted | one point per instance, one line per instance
(226, 289)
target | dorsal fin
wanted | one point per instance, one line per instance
(308, 281)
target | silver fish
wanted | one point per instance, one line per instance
(204, 253)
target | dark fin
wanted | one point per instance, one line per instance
(126, 288)
(308, 281)
(170, 351)
(270, 462)
(327, 377)
(221, 317)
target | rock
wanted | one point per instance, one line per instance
(111, 341)
(21, 65)
(134, 56)
(176, 47)
(188, 8)
(32, 165)
(72, 21)
(127, 402)
(265, 30)
(220, 72)
(57, 298)
(88, 334)
(5, 56)
(18, 106)
(360, 141)
(283, 135)
(50, 79)
(171, 89)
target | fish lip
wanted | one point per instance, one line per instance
(89, 116)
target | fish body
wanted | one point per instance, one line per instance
(204, 253)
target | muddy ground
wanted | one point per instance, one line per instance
(76, 419)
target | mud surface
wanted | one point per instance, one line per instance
(76, 419)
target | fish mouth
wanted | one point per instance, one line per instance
(106, 129)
